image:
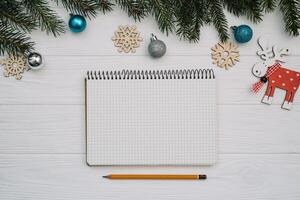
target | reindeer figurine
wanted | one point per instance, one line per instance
(271, 71)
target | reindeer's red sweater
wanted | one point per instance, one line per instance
(285, 79)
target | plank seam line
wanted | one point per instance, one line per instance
(82, 104)
(263, 154)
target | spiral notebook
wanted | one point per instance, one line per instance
(146, 117)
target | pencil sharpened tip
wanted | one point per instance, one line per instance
(105, 176)
(202, 176)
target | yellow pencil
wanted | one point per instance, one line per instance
(157, 176)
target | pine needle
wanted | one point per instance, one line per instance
(268, 5)
(105, 6)
(163, 15)
(13, 41)
(187, 27)
(12, 12)
(48, 20)
(291, 15)
(138, 9)
(87, 8)
(219, 20)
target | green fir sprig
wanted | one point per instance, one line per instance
(14, 41)
(45, 18)
(291, 15)
(13, 14)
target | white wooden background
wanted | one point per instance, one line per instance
(42, 142)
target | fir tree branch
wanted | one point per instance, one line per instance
(205, 11)
(138, 9)
(218, 18)
(250, 8)
(268, 5)
(164, 15)
(87, 8)
(201, 17)
(48, 20)
(191, 16)
(12, 12)
(13, 41)
(185, 19)
(194, 35)
(105, 6)
(253, 10)
(234, 7)
(291, 15)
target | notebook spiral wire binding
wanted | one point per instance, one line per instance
(151, 74)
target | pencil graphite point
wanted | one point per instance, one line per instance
(202, 176)
(107, 176)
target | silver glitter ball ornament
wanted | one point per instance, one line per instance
(35, 61)
(156, 48)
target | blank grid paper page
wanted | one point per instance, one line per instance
(151, 122)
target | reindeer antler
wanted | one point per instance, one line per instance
(267, 53)
(278, 54)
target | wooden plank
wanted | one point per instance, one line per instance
(66, 177)
(96, 39)
(60, 129)
(61, 81)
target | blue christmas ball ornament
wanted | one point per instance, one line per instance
(242, 33)
(77, 23)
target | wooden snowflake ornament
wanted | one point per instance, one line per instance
(14, 66)
(225, 55)
(127, 39)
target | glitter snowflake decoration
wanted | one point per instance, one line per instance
(225, 55)
(14, 66)
(127, 39)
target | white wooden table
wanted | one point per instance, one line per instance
(42, 141)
